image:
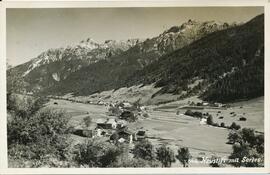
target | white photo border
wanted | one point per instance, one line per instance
(125, 3)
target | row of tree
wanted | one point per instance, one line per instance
(164, 154)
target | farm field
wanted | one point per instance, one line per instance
(252, 110)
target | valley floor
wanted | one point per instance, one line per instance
(164, 125)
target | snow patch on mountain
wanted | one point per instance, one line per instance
(87, 50)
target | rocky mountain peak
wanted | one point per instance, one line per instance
(87, 51)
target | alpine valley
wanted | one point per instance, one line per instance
(192, 96)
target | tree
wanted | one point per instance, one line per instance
(233, 137)
(38, 137)
(209, 120)
(15, 82)
(87, 121)
(248, 145)
(144, 150)
(235, 126)
(165, 155)
(183, 156)
(97, 153)
(222, 125)
(248, 136)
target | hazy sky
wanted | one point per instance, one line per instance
(32, 31)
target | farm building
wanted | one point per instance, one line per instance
(122, 136)
(121, 123)
(140, 135)
(106, 123)
(83, 132)
(128, 116)
(203, 121)
(127, 105)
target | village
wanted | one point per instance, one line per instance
(174, 124)
(114, 128)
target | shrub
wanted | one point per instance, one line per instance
(215, 124)
(194, 114)
(233, 137)
(145, 115)
(25, 106)
(222, 125)
(198, 114)
(235, 126)
(189, 112)
(97, 153)
(114, 111)
(36, 134)
(242, 119)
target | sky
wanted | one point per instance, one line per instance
(33, 31)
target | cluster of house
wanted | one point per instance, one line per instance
(207, 104)
(126, 110)
(114, 130)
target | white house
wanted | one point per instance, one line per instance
(203, 121)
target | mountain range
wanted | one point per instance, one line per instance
(218, 61)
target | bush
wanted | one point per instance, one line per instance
(194, 114)
(198, 114)
(233, 137)
(222, 125)
(145, 115)
(24, 106)
(37, 135)
(115, 111)
(235, 126)
(242, 119)
(97, 153)
(215, 124)
(189, 112)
